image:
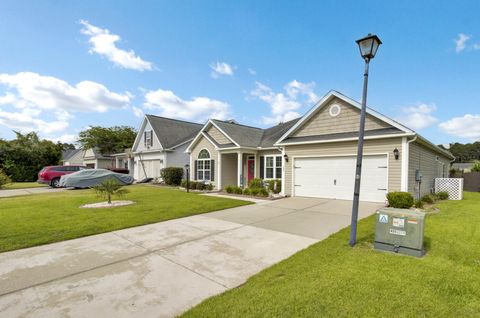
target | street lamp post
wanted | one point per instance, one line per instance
(368, 48)
(187, 172)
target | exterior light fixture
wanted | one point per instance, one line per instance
(396, 153)
(285, 156)
(368, 48)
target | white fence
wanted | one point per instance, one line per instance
(454, 187)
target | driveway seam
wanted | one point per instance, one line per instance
(190, 270)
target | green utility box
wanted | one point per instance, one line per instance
(400, 231)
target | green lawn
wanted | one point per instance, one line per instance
(330, 279)
(23, 185)
(44, 218)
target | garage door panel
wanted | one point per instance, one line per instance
(333, 177)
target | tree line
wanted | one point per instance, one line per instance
(23, 157)
(465, 152)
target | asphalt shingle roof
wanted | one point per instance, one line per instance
(172, 132)
(248, 136)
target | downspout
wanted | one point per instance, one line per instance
(419, 182)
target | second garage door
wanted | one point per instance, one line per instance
(333, 177)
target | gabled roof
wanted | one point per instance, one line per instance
(326, 99)
(69, 153)
(173, 132)
(244, 136)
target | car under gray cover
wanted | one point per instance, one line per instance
(91, 177)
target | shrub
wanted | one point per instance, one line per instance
(4, 179)
(275, 185)
(263, 192)
(476, 166)
(254, 191)
(418, 204)
(109, 188)
(247, 191)
(442, 195)
(428, 198)
(237, 190)
(200, 186)
(229, 189)
(172, 175)
(256, 183)
(400, 200)
(209, 187)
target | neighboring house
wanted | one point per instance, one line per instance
(315, 155)
(93, 158)
(124, 160)
(463, 166)
(72, 157)
(161, 143)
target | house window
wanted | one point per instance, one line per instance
(273, 167)
(148, 138)
(203, 165)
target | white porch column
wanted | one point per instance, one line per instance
(219, 172)
(239, 168)
(116, 162)
(284, 163)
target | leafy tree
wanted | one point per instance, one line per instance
(109, 188)
(108, 139)
(4, 179)
(465, 152)
(476, 166)
(23, 157)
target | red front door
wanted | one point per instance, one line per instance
(251, 169)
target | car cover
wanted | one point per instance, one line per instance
(90, 177)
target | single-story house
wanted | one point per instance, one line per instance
(72, 157)
(93, 158)
(315, 155)
(161, 143)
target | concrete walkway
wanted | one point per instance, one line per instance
(161, 270)
(17, 192)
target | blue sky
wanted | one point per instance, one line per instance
(66, 65)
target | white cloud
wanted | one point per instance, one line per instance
(138, 112)
(34, 95)
(104, 43)
(418, 116)
(284, 106)
(221, 68)
(26, 121)
(460, 42)
(252, 71)
(467, 126)
(197, 108)
(67, 138)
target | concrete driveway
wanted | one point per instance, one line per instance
(161, 270)
(17, 192)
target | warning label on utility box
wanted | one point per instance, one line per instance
(398, 232)
(398, 222)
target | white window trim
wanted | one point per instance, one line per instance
(274, 167)
(203, 170)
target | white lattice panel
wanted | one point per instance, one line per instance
(454, 187)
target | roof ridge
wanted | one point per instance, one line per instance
(173, 119)
(227, 122)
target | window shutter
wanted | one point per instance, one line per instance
(151, 138)
(145, 138)
(262, 165)
(195, 169)
(212, 170)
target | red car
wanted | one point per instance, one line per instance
(51, 174)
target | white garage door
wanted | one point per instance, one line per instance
(152, 168)
(333, 177)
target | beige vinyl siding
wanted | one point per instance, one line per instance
(204, 144)
(381, 146)
(347, 121)
(218, 136)
(229, 169)
(425, 160)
